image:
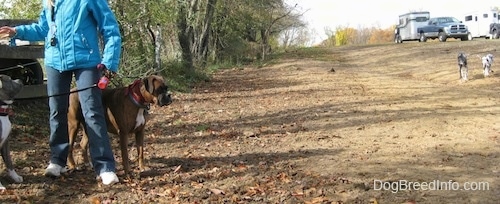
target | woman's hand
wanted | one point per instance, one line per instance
(7, 31)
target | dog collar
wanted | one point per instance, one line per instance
(134, 94)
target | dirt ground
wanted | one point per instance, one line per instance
(294, 131)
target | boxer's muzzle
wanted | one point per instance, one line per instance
(164, 99)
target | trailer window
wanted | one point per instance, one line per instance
(468, 18)
(485, 15)
(421, 19)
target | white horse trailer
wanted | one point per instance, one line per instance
(406, 30)
(479, 22)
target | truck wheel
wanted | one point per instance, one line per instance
(466, 38)
(422, 38)
(28, 70)
(442, 37)
(495, 34)
(398, 39)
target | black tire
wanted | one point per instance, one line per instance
(442, 37)
(466, 38)
(422, 38)
(397, 39)
(28, 70)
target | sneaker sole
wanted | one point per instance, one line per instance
(47, 174)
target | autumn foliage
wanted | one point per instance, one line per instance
(381, 36)
(360, 36)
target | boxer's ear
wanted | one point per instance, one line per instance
(151, 85)
(146, 83)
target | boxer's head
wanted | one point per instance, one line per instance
(156, 90)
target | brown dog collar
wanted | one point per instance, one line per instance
(134, 93)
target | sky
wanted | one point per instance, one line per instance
(321, 14)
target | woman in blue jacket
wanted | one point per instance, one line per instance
(71, 29)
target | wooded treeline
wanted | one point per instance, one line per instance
(197, 35)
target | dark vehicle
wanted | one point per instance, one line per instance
(495, 30)
(21, 62)
(443, 28)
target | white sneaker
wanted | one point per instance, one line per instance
(55, 170)
(108, 178)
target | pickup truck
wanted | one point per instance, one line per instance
(443, 28)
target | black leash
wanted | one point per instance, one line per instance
(17, 66)
(55, 95)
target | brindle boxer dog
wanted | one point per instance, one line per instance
(8, 90)
(125, 108)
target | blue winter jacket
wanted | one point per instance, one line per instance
(76, 26)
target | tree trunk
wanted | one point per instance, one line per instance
(185, 35)
(205, 34)
(264, 44)
(195, 23)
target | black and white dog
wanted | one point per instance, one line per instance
(462, 66)
(8, 89)
(487, 62)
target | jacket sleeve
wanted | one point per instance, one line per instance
(35, 31)
(108, 26)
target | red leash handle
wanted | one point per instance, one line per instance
(104, 80)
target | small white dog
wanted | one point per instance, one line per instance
(487, 62)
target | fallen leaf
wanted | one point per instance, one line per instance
(217, 191)
(177, 169)
(95, 200)
(316, 200)
(298, 194)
